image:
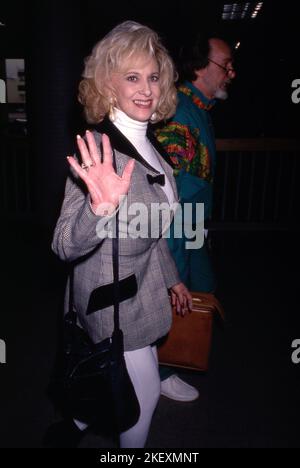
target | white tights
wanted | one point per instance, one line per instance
(142, 365)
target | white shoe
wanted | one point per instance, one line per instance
(176, 389)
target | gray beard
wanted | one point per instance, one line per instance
(221, 94)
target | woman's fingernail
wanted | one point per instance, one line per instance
(78, 137)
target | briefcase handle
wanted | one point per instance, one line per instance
(208, 300)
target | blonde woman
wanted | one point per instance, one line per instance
(128, 81)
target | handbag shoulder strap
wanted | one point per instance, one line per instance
(115, 260)
(72, 315)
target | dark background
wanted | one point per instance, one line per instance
(251, 396)
(268, 59)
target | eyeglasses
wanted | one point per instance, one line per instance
(226, 70)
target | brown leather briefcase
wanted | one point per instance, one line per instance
(188, 343)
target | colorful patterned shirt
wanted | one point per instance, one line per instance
(189, 137)
(190, 142)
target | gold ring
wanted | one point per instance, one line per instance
(87, 166)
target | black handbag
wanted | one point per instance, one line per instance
(94, 384)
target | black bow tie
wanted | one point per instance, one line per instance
(159, 179)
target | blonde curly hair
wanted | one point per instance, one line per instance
(125, 42)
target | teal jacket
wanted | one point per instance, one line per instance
(189, 140)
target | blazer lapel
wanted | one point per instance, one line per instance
(120, 143)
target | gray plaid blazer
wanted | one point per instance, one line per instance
(147, 269)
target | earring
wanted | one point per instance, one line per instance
(111, 112)
(153, 117)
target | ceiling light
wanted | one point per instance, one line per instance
(239, 11)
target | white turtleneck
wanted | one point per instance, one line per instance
(136, 133)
